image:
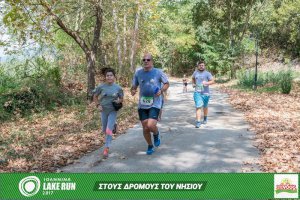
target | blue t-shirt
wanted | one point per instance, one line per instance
(150, 82)
(199, 78)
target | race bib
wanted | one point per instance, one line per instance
(147, 101)
(199, 88)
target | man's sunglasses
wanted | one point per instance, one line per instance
(146, 60)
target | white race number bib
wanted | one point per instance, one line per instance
(146, 101)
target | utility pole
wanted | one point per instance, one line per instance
(256, 61)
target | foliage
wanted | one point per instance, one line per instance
(286, 81)
(275, 81)
(278, 25)
(173, 37)
(221, 29)
(35, 85)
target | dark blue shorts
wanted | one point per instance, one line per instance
(151, 113)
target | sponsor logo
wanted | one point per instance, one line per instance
(286, 186)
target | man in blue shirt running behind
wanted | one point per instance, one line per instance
(150, 81)
(201, 81)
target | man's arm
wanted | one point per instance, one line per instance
(210, 82)
(194, 82)
(134, 84)
(133, 90)
(165, 87)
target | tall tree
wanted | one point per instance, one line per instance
(135, 37)
(226, 23)
(118, 39)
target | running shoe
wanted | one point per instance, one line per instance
(156, 139)
(204, 122)
(150, 150)
(198, 124)
(105, 152)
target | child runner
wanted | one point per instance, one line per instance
(104, 95)
(184, 80)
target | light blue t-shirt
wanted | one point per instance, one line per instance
(108, 93)
(199, 78)
(150, 82)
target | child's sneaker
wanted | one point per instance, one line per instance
(150, 150)
(105, 152)
(204, 122)
(198, 124)
(156, 140)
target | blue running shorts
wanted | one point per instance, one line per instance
(201, 100)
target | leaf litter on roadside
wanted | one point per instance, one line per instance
(275, 120)
(45, 143)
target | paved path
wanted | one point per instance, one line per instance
(223, 145)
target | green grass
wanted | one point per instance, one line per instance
(269, 89)
(267, 82)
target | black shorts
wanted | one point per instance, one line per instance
(185, 84)
(151, 113)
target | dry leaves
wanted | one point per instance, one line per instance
(275, 118)
(45, 143)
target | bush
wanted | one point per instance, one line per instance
(272, 80)
(246, 78)
(286, 81)
(30, 88)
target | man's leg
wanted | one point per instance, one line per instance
(198, 114)
(198, 103)
(144, 117)
(147, 132)
(152, 124)
(205, 111)
(205, 108)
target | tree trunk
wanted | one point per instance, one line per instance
(91, 55)
(90, 52)
(118, 43)
(124, 38)
(231, 40)
(91, 63)
(245, 27)
(100, 56)
(135, 33)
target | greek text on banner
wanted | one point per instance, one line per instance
(150, 186)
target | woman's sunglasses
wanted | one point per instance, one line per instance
(148, 60)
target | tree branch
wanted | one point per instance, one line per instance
(98, 26)
(71, 33)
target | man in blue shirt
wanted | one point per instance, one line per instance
(201, 81)
(150, 81)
